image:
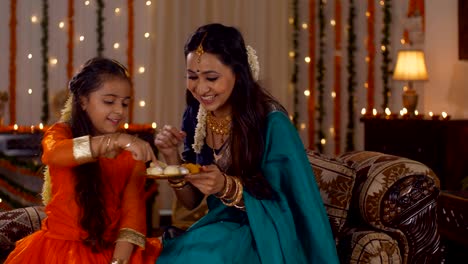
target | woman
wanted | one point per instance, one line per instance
(94, 181)
(264, 205)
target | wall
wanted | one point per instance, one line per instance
(441, 47)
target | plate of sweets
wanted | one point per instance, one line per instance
(163, 171)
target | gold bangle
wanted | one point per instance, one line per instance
(130, 143)
(237, 196)
(234, 187)
(240, 207)
(227, 187)
(118, 261)
(175, 182)
(181, 187)
(178, 185)
(107, 143)
(115, 141)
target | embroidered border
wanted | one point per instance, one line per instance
(82, 149)
(132, 236)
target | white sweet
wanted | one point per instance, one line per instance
(171, 170)
(184, 170)
(156, 170)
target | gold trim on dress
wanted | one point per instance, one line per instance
(132, 236)
(82, 149)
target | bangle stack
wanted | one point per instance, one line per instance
(107, 143)
(232, 193)
(177, 185)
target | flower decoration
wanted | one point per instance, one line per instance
(46, 187)
(253, 62)
(66, 112)
(200, 130)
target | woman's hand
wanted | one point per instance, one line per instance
(210, 180)
(168, 141)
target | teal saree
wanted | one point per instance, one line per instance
(294, 228)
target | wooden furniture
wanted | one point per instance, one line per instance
(453, 216)
(452, 212)
(440, 144)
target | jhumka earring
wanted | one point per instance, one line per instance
(200, 50)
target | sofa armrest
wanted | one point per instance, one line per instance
(368, 246)
(398, 196)
(17, 224)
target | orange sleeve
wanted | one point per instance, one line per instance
(133, 223)
(60, 148)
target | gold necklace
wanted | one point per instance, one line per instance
(220, 155)
(221, 127)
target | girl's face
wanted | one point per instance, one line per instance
(107, 107)
(210, 82)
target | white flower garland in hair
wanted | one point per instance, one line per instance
(200, 129)
(253, 62)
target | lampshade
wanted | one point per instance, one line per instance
(410, 66)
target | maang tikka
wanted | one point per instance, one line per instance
(200, 50)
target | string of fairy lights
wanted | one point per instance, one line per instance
(52, 60)
(322, 108)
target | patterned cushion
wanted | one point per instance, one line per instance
(375, 174)
(335, 180)
(18, 223)
(373, 247)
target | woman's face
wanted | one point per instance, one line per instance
(210, 82)
(107, 107)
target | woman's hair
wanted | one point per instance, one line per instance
(249, 101)
(88, 183)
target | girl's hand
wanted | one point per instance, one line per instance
(210, 180)
(168, 141)
(140, 149)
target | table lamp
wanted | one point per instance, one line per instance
(410, 66)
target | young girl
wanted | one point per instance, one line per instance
(94, 183)
(264, 204)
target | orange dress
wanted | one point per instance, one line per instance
(59, 240)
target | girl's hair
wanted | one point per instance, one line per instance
(249, 101)
(88, 183)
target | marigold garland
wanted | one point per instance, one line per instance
(71, 32)
(100, 27)
(386, 59)
(44, 66)
(311, 101)
(130, 36)
(294, 76)
(12, 65)
(321, 76)
(370, 55)
(14, 193)
(337, 84)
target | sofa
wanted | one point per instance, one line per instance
(382, 208)
(16, 224)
